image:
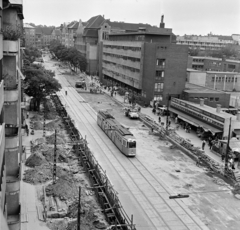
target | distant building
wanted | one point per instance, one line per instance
(225, 81)
(196, 93)
(146, 62)
(68, 31)
(29, 35)
(56, 34)
(213, 64)
(210, 42)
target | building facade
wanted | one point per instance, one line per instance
(29, 35)
(213, 64)
(10, 119)
(147, 62)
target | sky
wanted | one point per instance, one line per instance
(198, 17)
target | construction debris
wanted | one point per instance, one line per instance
(36, 159)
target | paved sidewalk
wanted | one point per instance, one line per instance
(28, 194)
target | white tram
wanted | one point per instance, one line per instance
(119, 135)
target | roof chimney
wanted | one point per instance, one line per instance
(162, 24)
(201, 102)
(218, 110)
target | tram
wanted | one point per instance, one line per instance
(119, 135)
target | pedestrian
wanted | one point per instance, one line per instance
(159, 119)
(169, 123)
(115, 93)
(189, 129)
(66, 92)
(27, 132)
(203, 144)
(27, 115)
(223, 157)
(139, 109)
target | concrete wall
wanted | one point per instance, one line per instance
(197, 78)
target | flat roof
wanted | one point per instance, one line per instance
(203, 90)
(199, 88)
(208, 109)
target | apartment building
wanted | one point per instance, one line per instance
(29, 35)
(213, 64)
(209, 42)
(147, 62)
(10, 115)
(68, 31)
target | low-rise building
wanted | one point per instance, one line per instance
(209, 42)
(209, 119)
(213, 64)
(196, 93)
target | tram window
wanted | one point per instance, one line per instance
(132, 144)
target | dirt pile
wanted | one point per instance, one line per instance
(43, 173)
(35, 159)
(52, 125)
(63, 188)
(37, 117)
(48, 153)
(51, 139)
(40, 141)
(38, 125)
(50, 115)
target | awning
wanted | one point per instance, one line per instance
(195, 122)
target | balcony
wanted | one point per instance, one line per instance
(10, 47)
(121, 61)
(11, 95)
(129, 53)
(11, 138)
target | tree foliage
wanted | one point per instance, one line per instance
(39, 83)
(71, 56)
(31, 53)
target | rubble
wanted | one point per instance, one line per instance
(37, 125)
(51, 139)
(48, 153)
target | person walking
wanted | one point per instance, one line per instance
(203, 144)
(27, 115)
(169, 123)
(66, 92)
(159, 119)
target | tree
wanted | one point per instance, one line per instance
(31, 53)
(39, 83)
(71, 56)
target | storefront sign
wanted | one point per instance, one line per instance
(198, 115)
(198, 110)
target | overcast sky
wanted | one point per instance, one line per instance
(183, 16)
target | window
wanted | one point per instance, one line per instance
(213, 78)
(235, 79)
(161, 62)
(158, 87)
(230, 66)
(159, 73)
(216, 98)
(158, 98)
(229, 79)
(232, 79)
(211, 99)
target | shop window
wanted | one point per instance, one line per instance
(211, 99)
(232, 79)
(213, 79)
(216, 98)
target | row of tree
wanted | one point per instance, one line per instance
(39, 82)
(69, 55)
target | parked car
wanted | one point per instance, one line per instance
(80, 84)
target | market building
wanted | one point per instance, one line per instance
(210, 121)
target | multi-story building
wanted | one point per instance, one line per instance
(213, 64)
(146, 62)
(56, 34)
(68, 31)
(38, 38)
(10, 103)
(29, 35)
(95, 30)
(210, 42)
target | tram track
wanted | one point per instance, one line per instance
(156, 194)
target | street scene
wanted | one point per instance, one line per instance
(119, 115)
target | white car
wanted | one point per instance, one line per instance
(133, 115)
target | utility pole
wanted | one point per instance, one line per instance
(55, 158)
(228, 148)
(79, 210)
(168, 99)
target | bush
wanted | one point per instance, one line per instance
(11, 33)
